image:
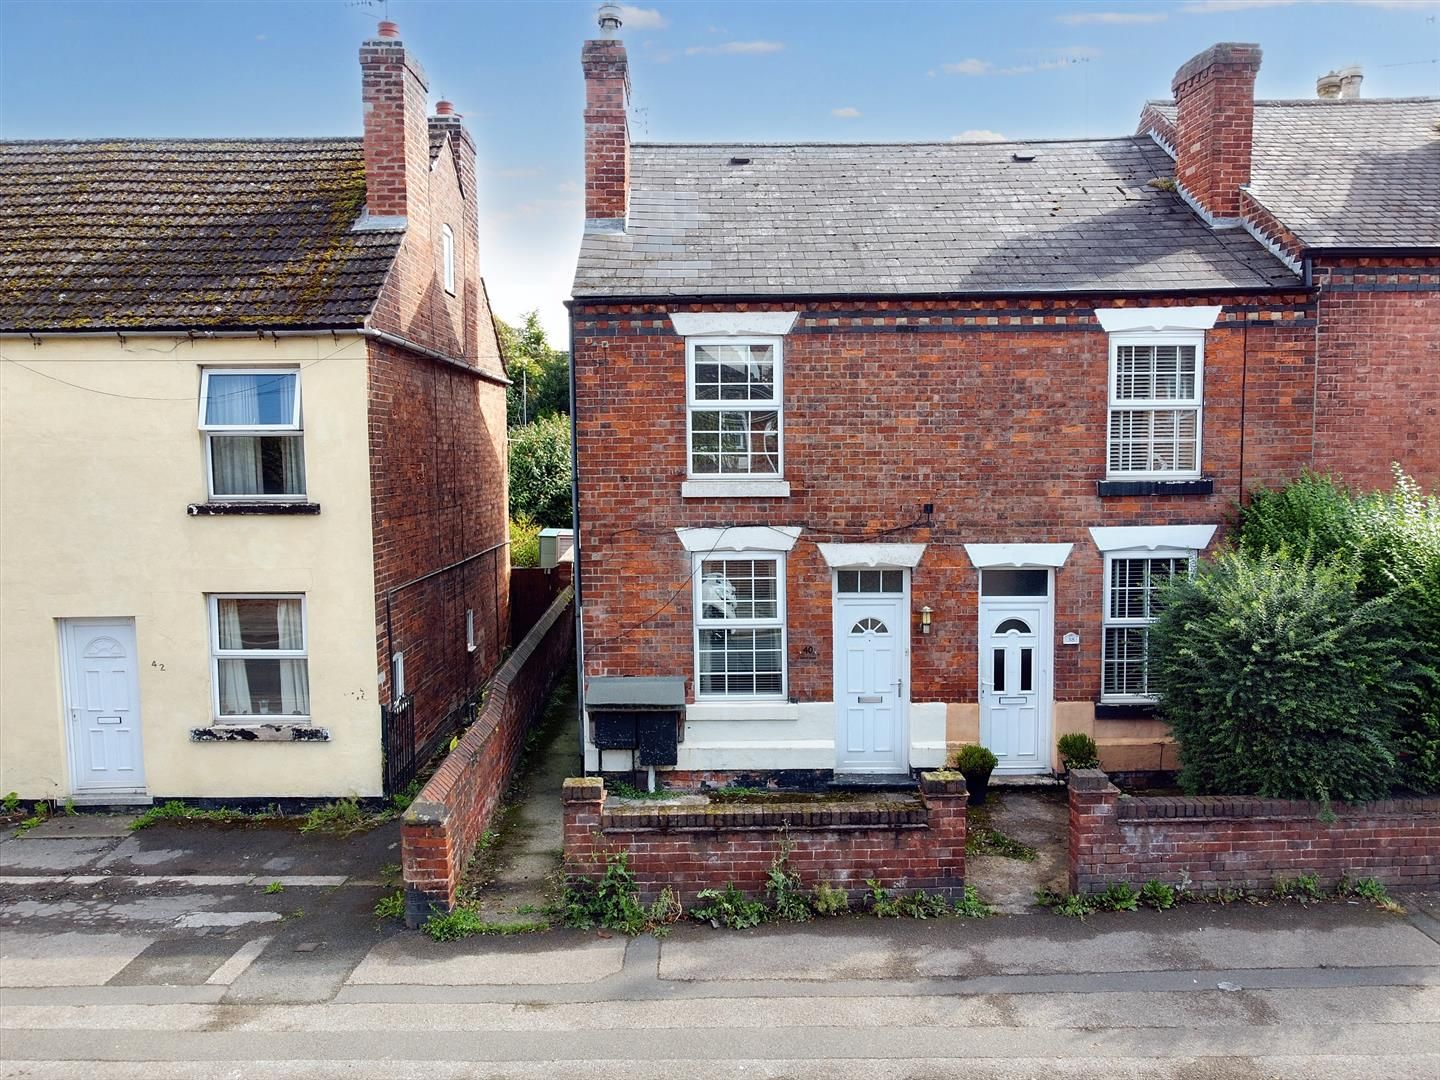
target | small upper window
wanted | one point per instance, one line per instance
(447, 257)
(255, 447)
(1155, 405)
(734, 408)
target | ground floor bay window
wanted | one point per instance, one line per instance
(259, 658)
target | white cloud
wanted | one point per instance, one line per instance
(969, 67)
(979, 135)
(848, 112)
(733, 48)
(637, 18)
(1112, 18)
(1220, 7)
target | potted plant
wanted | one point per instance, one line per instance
(976, 763)
(1078, 751)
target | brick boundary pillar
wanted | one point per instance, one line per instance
(946, 800)
(1094, 831)
(428, 862)
(584, 844)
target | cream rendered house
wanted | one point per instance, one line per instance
(224, 364)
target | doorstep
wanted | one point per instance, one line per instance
(872, 782)
(1026, 780)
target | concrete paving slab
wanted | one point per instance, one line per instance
(66, 959)
(416, 961)
(81, 827)
(187, 961)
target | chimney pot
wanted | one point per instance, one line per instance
(1350, 80)
(1328, 86)
(444, 108)
(389, 29)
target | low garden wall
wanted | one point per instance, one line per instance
(446, 820)
(1239, 841)
(690, 847)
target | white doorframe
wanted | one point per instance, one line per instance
(70, 633)
(840, 603)
(1044, 666)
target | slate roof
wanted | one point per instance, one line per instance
(186, 233)
(912, 219)
(1357, 173)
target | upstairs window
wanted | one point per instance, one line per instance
(254, 444)
(447, 257)
(734, 408)
(1155, 406)
(1131, 582)
(740, 627)
(260, 665)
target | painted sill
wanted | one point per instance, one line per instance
(1124, 710)
(218, 509)
(248, 733)
(1205, 485)
(748, 710)
(735, 489)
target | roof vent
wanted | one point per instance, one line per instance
(739, 161)
(1018, 156)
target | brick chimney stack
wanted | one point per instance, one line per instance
(1215, 113)
(397, 140)
(607, 131)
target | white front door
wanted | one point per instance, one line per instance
(102, 705)
(872, 674)
(1016, 652)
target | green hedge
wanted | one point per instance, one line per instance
(1306, 662)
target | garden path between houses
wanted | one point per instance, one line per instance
(1038, 818)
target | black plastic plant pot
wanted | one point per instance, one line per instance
(977, 783)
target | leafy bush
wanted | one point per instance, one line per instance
(612, 902)
(1078, 751)
(829, 900)
(970, 906)
(973, 758)
(391, 906)
(1279, 679)
(1158, 895)
(728, 907)
(1392, 542)
(540, 471)
(524, 540)
(786, 891)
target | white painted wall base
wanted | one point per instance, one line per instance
(754, 739)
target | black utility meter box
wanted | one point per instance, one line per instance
(641, 715)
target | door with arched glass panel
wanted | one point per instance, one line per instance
(872, 670)
(1015, 668)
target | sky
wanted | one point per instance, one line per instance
(816, 71)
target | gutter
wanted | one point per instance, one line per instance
(37, 336)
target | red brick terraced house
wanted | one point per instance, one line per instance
(254, 532)
(883, 449)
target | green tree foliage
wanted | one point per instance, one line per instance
(539, 374)
(540, 471)
(524, 540)
(1306, 663)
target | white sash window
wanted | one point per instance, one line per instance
(254, 442)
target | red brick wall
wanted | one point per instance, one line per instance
(1378, 385)
(1220, 842)
(438, 494)
(1215, 114)
(445, 822)
(993, 411)
(843, 844)
(437, 424)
